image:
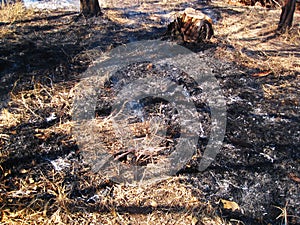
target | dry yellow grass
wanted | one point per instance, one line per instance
(168, 202)
(15, 12)
(25, 106)
(28, 102)
(252, 33)
(12, 13)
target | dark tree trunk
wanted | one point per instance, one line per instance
(287, 13)
(90, 7)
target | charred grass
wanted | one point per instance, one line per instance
(43, 177)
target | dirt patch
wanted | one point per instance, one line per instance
(43, 176)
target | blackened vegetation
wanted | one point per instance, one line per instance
(260, 150)
(150, 111)
(258, 166)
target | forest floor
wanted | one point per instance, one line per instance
(254, 179)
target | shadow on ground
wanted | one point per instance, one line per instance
(256, 167)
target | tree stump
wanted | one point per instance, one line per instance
(192, 25)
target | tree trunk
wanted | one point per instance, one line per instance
(287, 13)
(90, 7)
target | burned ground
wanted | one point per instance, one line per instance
(43, 176)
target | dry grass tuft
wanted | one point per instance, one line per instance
(9, 119)
(11, 13)
(30, 105)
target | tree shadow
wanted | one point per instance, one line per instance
(53, 50)
(59, 52)
(47, 47)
